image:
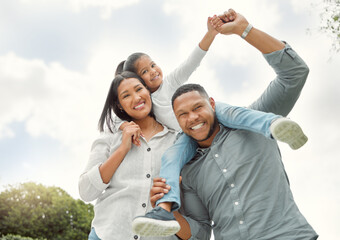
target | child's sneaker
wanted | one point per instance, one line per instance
(156, 223)
(288, 131)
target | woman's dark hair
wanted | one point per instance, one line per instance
(130, 63)
(112, 102)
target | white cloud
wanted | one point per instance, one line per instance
(106, 6)
(47, 96)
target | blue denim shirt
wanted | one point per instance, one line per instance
(238, 186)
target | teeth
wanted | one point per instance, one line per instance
(197, 126)
(140, 105)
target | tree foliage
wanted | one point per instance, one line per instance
(18, 237)
(330, 22)
(33, 210)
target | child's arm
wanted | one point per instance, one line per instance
(209, 36)
(182, 73)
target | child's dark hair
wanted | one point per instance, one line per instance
(112, 102)
(130, 63)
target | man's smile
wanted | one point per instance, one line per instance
(198, 126)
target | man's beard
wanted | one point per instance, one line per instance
(211, 130)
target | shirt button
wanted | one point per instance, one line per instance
(236, 203)
(143, 205)
(135, 237)
(224, 170)
(241, 222)
(148, 175)
(216, 155)
(149, 149)
(232, 185)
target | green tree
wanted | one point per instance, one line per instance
(18, 237)
(36, 211)
(330, 22)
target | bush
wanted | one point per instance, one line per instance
(18, 237)
(36, 211)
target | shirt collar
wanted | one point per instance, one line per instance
(222, 130)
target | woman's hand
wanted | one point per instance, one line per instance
(131, 134)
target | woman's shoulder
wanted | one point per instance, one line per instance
(108, 138)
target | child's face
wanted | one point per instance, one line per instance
(149, 72)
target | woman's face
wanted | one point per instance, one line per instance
(134, 98)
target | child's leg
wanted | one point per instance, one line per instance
(285, 130)
(244, 118)
(93, 235)
(268, 124)
(173, 161)
(159, 221)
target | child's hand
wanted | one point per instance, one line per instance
(211, 28)
(233, 23)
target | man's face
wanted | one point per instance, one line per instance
(196, 116)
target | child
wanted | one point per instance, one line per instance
(268, 124)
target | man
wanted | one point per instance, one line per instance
(237, 179)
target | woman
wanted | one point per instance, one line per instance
(119, 174)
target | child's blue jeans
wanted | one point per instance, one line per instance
(93, 235)
(185, 147)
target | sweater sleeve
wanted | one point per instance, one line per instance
(283, 92)
(90, 182)
(182, 73)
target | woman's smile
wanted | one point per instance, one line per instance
(139, 106)
(134, 98)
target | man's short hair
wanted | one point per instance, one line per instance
(189, 88)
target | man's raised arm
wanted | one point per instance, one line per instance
(283, 92)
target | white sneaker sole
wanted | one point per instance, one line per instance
(149, 227)
(288, 131)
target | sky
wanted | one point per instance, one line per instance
(58, 57)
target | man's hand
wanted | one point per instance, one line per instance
(158, 190)
(228, 16)
(234, 23)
